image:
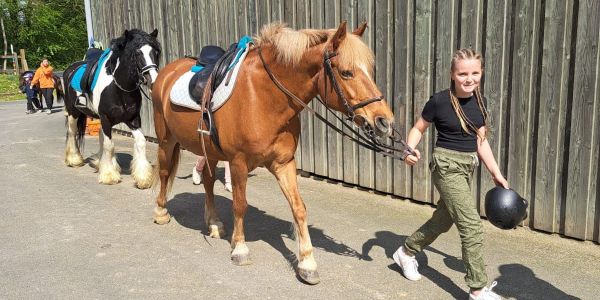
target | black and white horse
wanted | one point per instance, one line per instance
(115, 98)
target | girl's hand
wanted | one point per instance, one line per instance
(411, 160)
(499, 180)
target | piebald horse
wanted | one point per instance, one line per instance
(259, 126)
(116, 98)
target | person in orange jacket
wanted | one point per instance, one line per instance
(43, 76)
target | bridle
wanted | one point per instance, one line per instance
(367, 138)
(141, 71)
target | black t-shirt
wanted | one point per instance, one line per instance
(438, 110)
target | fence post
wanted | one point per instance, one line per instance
(23, 60)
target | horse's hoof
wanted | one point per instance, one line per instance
(241, 259)
(74, 162)
(161, 216)
(142, 185)
(109, 178)
(309, 276)
(217, 230)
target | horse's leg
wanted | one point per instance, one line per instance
(73, 156)
(95, 158)
(213, 223)
(168, 160)
(239, 173)
(286, 176)
(108, 168)
(141, 170)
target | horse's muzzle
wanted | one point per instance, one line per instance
(383, 127)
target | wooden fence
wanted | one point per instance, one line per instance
(542, 84)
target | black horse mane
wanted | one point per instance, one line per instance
(124, 47)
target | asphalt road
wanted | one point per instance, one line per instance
(64, 236)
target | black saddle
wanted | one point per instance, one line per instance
(215, 62)
(92, 56)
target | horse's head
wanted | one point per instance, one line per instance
(346, 83)
(141, 50)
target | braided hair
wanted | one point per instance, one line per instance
(466, 124)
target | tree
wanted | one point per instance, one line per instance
(46, 28)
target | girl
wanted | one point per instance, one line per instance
(461, 120)
(44, 76)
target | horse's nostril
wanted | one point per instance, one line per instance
(382, 124)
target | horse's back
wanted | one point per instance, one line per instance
(167, 77)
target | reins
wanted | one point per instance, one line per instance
(369, 140)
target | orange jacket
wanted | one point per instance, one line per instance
(43, 75)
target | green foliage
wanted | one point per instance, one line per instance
(50, 28)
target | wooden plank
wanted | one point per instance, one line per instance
(350, 149)
(334, 158)
(423, 55)
(552, 118)
(583, 148)
(289, 12)
(263, 13)
(496, 85)
(403, 88)
(253, 24)
(383, 14)
(523, 97)
(366, 158)
(320, 138)
(276, 10)
(306, 119)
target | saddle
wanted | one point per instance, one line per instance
(213, 62)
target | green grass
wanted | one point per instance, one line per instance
(9, 88)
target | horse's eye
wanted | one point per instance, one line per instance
(347, 74)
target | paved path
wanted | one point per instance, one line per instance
(64, 236)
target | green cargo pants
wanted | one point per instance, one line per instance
(452, 173)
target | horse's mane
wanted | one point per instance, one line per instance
(291, 44)
(124, 47)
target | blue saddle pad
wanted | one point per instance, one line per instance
(76, 80)
(79, 73)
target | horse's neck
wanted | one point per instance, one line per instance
(299, 80)
(123, 74)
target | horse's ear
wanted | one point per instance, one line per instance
(154, 33)
(126, 34)
(361, 29)
(339, 35)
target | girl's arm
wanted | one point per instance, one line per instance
(487, 157)
(414, 137)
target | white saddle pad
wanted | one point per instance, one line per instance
(180, 93)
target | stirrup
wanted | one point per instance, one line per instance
(83, 105)
(205, 116)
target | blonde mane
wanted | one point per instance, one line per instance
(290, 45)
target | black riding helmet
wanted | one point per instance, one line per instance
(505, 208)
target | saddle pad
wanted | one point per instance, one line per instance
(76, 80)
(180, 94)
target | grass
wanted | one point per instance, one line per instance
(9, 88)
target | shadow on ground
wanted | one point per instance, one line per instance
(188, 210)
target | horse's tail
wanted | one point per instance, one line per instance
(172, 166)
(60, 90)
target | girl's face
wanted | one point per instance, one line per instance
(466, 75)
(45, 62)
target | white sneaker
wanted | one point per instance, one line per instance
(228, 187)
(408, 264)
(196, 177)
(486, 293)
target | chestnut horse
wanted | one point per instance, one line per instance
(260, 124)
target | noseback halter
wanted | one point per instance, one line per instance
(141, 72)
(329, 73)
(368, 140)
